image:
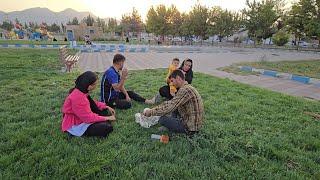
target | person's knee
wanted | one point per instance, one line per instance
(163, 120)
(124, 105)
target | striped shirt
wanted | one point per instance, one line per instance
(189, 104)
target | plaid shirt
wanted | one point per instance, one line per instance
(189, 104)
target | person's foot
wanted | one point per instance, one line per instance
(151, 101)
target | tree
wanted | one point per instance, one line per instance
(88, 20)
(101, 23)
(158, 21)
(131, 23)
(312, 25)
(7, 25)
(175, 21)
(112, 25)
(260, 17)
(280, 38)
(199, 18)
(74, 21)
(222, 22)
(54, 28)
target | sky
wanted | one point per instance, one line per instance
(115, 8)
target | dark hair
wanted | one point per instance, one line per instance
(176, 73)
(189, 73)
(118, 58)
(175, 59)
(189, 60)
(84, 81)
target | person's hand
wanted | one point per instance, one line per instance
(147, 112)
(124, 73)
(113, 112)
(111, 118)
(128, 98)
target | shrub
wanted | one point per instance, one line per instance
(280, 38)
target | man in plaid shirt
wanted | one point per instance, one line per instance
(187, 101)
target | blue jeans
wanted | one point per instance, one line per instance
(173, 124)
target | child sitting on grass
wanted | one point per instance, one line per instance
(173, 66)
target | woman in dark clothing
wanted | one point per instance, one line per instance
(186, 68)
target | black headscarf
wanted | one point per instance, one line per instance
(189, 73)
(83, 82)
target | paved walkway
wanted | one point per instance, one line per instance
(207, 62)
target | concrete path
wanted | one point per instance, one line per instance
(208, 60)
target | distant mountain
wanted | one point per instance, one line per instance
(40, 15)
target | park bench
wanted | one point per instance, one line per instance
(68, 60)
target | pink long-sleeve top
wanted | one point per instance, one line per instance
(76, 110)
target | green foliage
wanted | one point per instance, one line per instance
(260, 18)
(222, 22)
(199, 18)
(131, 23)
(280, 38)
(248, 132)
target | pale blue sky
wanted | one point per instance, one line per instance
(112, 8)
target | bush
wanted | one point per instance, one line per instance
(280, 38)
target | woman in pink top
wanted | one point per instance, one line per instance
(82, 116)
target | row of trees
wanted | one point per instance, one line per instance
(262, 19)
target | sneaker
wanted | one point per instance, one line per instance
(151, 101)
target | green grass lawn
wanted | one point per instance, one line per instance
(248, 133)
(309, 68)
(132, 42)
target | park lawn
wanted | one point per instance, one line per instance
(248, 132)
(310, 68)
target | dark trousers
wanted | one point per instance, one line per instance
(99, 129)
(173, 124)
(121, 103)
(165, 92)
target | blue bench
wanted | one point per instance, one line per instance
(31, 46)
(246, 68)
(132, 50)
(96, 50)
(55, 46)
(302, 79)
(143, 49)
(270, 73)
(121, 50)
(84, 50)
(43, 46)
(17, 45)
(5, 45)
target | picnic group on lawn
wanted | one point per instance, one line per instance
(181, 112)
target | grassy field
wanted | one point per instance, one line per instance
(249, 133)
(304, 68)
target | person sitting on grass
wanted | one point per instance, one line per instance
(166, 91)
(187, 101)
(113, 92)
(82, 116)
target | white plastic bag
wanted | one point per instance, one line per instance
(145, 121)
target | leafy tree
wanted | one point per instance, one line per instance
(199, 18)
(222, 22)
(101, 23)
(158, 21)
(112, 25)
(175, 21)
(54, 28)
(7, 25)
(75, 21)
(88, 20)
(280, 38)
(261, 16)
